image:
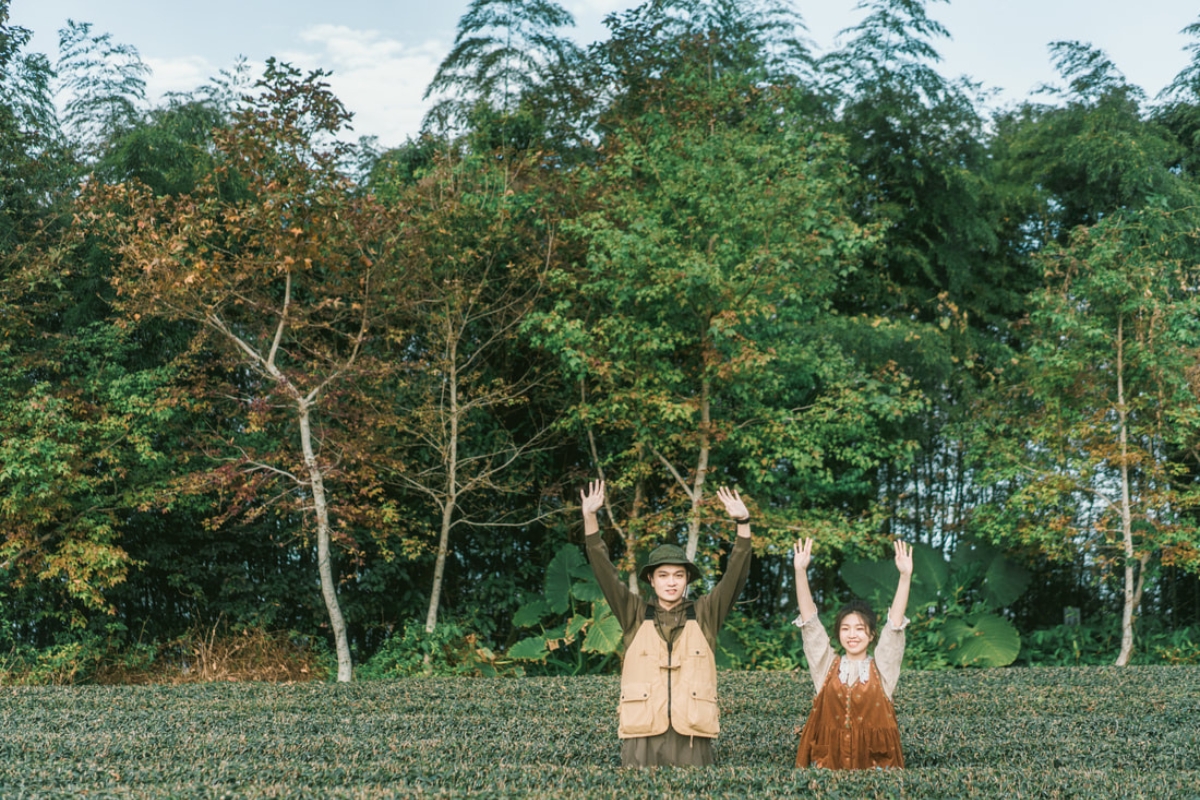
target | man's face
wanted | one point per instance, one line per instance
(669, 583)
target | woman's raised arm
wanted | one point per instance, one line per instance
(904, 563)
(801, 558)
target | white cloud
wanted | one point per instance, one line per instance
(181, 74)
(380, 80)
(596, 8)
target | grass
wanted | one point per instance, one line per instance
(1054, 733)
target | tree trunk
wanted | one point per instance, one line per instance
(328, 588)
(1132, 583)
(439, 568)
(701, 471)
(451, 495)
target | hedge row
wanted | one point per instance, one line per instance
(1077, 732)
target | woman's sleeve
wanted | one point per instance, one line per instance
(889, 654)
(816, 649)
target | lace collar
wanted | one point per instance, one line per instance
(852, 672)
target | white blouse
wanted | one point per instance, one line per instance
(889, 653)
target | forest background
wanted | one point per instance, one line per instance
(277, 404)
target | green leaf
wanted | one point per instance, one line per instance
(604, 636)
(873, 581)
(1004, 582)
(531, 613)
(577, 623)
(930, 572)
(531, 649)
(559, 578)
(588, 591)
(981, 640)
(1000, 580)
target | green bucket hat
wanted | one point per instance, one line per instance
(669, 554)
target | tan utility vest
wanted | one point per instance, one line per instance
(669, 686)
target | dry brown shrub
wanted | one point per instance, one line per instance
(221, 654)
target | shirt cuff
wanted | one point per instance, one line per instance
(800, 622)
(896, 627)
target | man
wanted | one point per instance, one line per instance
(668, 713)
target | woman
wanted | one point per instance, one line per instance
(852, 724)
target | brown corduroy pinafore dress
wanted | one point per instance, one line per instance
(851, 727)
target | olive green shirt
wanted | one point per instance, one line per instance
(630, 608)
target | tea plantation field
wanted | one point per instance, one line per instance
(1045, 733)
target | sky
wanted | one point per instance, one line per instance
(383, 53)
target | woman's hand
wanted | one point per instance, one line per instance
(904, 558)
(802, 554)
(904, 563)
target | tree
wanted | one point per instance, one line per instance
(1100, 390)
(1088, 155)
(284, 270)
(674, 43)
(502, 50)
(79, 456)
(33, 167)
(1179, 109)
(1099, 466)
(949, 270)
(104, 83)
(478, 244)
(79, 453)
(716, 234)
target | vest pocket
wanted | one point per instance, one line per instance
(635, 711)
(703, 716)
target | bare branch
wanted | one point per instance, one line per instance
(591, 435)
(283, 318)
(258, 466)
(671, 467)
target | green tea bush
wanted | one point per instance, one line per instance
(1054, 733)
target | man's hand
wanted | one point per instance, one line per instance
(591, 500)
(734, 506)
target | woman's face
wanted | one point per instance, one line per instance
(854, 636)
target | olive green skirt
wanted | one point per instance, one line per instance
(670, 749)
